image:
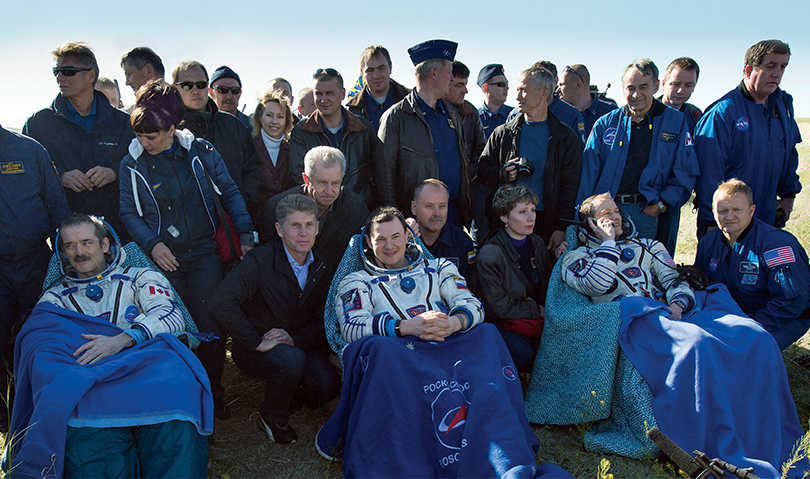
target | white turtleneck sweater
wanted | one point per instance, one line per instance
(272, 146)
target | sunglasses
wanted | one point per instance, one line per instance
(499, 84)
(69, 71)
(225, 89)
(329, 71)
(569, 69)
(188, 85)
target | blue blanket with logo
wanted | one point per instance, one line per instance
(156, 381)
(411, 408)
(718, 381)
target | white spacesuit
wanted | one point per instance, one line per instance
(138, 300)
(629, 266)
(370, 301)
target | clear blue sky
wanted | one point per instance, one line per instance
(261, 40)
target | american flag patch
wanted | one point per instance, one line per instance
(778, 256)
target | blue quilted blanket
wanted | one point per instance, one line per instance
(156, 381)
(718, 381)
(411, 408)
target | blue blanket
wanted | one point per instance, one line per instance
(718, 381)
(411, 408)
(159, 380)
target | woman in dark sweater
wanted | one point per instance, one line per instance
(513, 268)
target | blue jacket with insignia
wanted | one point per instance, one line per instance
(32, 200)
(671, 170)
(737, 138)
(772, 295)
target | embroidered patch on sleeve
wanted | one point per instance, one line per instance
(689, 141)
(460, 282)
(778, 256)
(351, 300)
(578, 266)
(471, 257)
(158, 291)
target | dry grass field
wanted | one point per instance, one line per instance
(239, 449)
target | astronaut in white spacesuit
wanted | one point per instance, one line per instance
(399, 292)
(138, 300)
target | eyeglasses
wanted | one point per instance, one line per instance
(329, 71)
(188, 85)
(569, 69)
(225, 89)
(69, 71)
(499, 84)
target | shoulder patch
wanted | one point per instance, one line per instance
(351, 300)
(778, 256)
(471, 257)
(158, 291)
(689, 141)
(741, 124)
(578, 265)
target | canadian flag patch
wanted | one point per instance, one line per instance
(689, 141)
(159, 292)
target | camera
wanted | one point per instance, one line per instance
(525, 168)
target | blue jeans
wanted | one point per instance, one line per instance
(646, 225)
(522, 349)
(288, 370)
(195, 280)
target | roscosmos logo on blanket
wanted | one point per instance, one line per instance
(449, 414)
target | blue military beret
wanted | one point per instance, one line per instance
(489, 71)
(225, 72)
(433, 49)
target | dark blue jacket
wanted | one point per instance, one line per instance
(139, 209)
(71, 148)
(670, 173)
(32, 200)
(454, 245)
(733, 140)
(597, 110)
(770, 287)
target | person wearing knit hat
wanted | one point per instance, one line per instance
(226, 89)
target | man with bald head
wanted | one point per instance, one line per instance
(574, 89)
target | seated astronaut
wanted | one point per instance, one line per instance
(139, 300)
(400, 293)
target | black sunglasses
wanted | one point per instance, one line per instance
(69, 71)
(569, 69)
(225, 89)
(188, 85)
(329, 71)
(500, 84)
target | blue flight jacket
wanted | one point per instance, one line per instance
(767, 273)
(736, 138)
(671, 170)
(32, 200)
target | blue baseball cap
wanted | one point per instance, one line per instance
(433, 49)
(489, 71)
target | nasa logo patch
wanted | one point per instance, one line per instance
(610, 136)
(509, 373)
(713, 264)
(741, 124)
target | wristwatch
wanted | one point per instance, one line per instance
(662, 207)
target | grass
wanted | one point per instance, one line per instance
(239, 449)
